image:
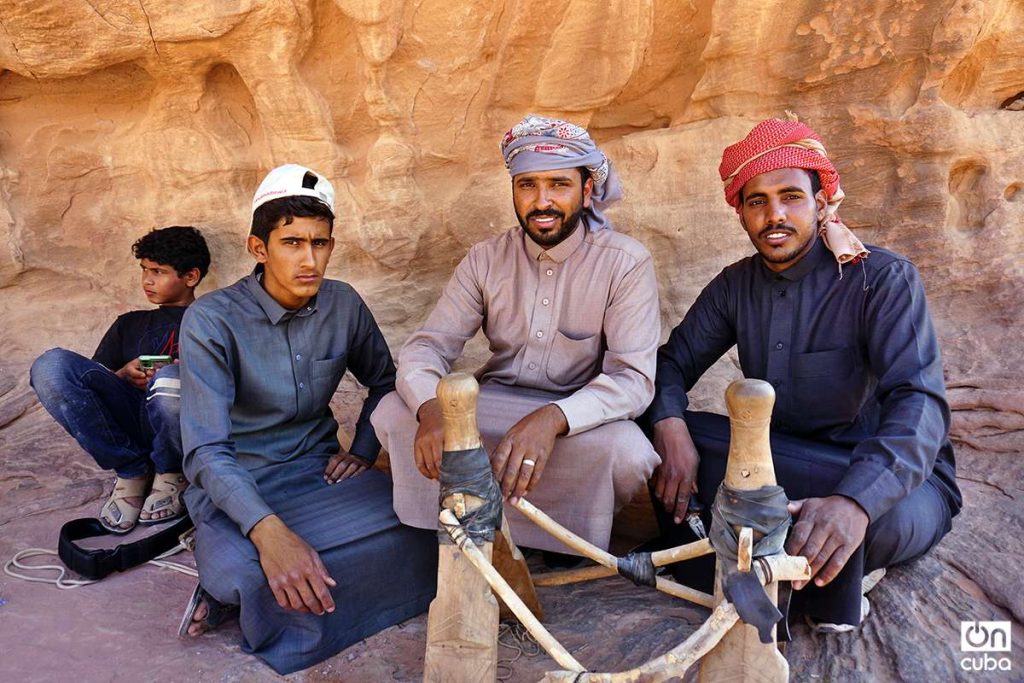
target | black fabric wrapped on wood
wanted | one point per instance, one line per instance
(469, 472)
(638, 568)
(763, 510)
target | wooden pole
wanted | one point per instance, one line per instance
(570, 576)
(682, 552)
(462, 626)
(740, 655)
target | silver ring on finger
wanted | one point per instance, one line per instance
(531, 463)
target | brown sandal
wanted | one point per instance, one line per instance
(165, 495)
(117, 510)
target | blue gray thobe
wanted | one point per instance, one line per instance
(257, 432)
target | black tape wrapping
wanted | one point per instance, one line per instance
(638, 568)
(469, 472)
(763, 510)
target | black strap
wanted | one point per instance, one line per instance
(96, 564)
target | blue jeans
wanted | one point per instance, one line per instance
(123, 428)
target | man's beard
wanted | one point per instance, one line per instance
(771, 255)
(550, 240)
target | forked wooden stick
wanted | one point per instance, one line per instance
(672, 664)
(659, 559)
(462, 628)
(604, 558)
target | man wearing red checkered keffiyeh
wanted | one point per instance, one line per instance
(775, 145)
(860, 424)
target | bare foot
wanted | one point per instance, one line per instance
(204, 619)
(197, 627)
(159, 514)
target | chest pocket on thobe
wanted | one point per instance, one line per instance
(573, 362)
(826, 387)
(324, 377)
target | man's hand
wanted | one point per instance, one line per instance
(676, 477)
(827, 532)
(293, 569)
(519, 459)
(133, 373)
(342, 466)
(429, 439)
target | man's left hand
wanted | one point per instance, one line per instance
(518, 461)
(827, 532)
(343, 466)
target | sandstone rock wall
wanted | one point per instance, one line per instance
(121, 116)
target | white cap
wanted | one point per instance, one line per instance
(292, 180)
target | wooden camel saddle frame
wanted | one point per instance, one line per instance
(462, 628)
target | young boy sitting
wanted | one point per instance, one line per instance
(123, 414)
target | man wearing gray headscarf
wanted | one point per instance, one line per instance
(570, 310)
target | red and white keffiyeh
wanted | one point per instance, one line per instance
(775, 144)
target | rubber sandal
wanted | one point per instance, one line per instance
(216, 612)
(165, 494)
(117, 510)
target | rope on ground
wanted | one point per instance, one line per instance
(60, 582)
(515, 637)
(16, 566)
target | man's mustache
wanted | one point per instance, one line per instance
(546, 212)
(777, 228)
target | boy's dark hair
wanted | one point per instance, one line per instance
(181, 247)
(266, 217)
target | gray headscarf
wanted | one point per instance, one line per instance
(541, 144)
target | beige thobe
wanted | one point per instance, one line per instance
(576, 325)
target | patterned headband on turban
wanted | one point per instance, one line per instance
(541, 144)
(775, 144)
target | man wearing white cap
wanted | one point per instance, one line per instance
(570, 310)
(291, 527)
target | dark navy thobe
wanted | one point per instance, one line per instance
(860, 405)
(257, 432)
